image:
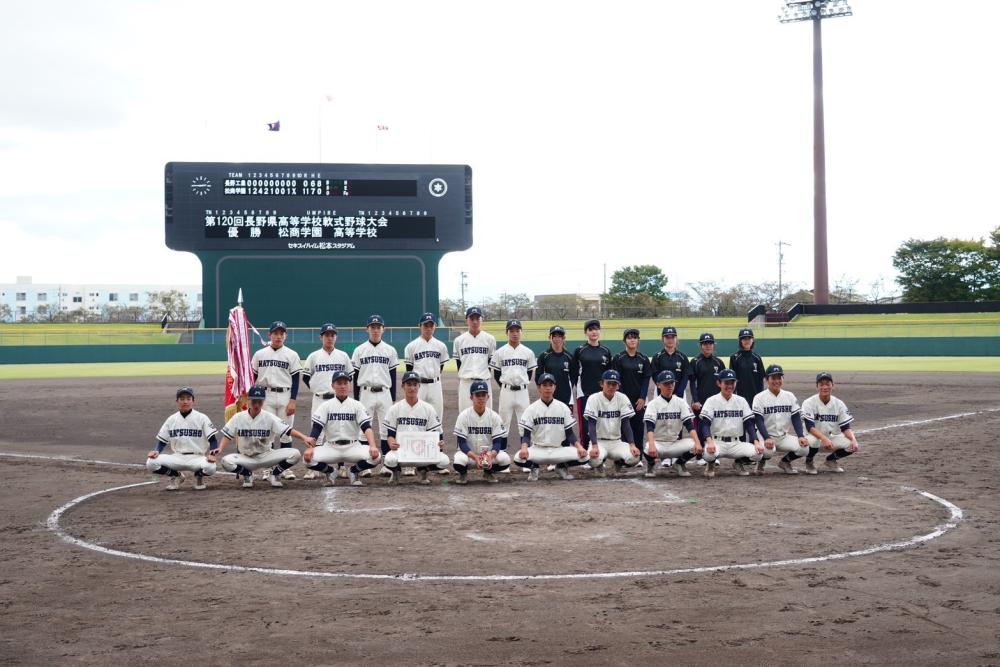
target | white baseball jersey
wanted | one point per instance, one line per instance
(187, 434)
(405, 417)
(668, 418)
(321, 365)
(426, 356)
(373, 363)
(514, 363)
(547, 424)
(609, 414)
(777, 411)
(479, 430)
(829, 418)
(474, 352)
(275, 368)
(253, 435)
(341, 420)
(726, 417)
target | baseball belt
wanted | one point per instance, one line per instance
(726, 438)
(428, 380)
(515, 387)
(375, 390)
(327, 396)
(342, 442)
(277, 390)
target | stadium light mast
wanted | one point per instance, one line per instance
(795, 11)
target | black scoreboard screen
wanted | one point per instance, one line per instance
(244, 206)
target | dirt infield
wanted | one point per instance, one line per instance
(936, 603)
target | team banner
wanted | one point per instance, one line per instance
(239, 374)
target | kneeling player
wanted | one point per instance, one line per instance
(548, 434)
(609, 414)
(481, 437)
(191, 437)
(337, 422)
(410, 414)
(253, 431)
(829, 423)
(777, 414)
(725, 424)
(665, 416)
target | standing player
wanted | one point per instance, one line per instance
(609, 418)
(512, 365)
(482, 438)
(705, 369)
(558, 362)
(635, 370)
(193, 447)
(749, 367)
(337, 422)
(278, 368)
(317, 374)
(778, 415)
(592, 359)
(375, 363)
(472, 352)
(725, 424)
(254, 431)
(666, 416)
(829, 424)
(410, 414)
(548, 434)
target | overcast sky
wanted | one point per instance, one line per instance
(671, 133)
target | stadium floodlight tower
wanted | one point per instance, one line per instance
(795, 11)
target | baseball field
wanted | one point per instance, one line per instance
(892, 562)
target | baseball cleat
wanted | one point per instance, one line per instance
(650, 469)
(600, 471)
(393, 477)
(833, 466)
(199, 482)
(288, 474)
(563, 473)
(463, 478)
(351, 475)
(247, 481)
(273, 480)
(680, 470)
(331, 479)
(710, 469)
(175, 483)
(533, 474)
(759, 468)
(740, 469)
(423, 477)
(787, 467)
(409, 472)
(811, 468)
(310, 474)
(490, 477)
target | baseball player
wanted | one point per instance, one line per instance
(558, 362)
(609, 423)
(779, 422)
(482, 437)
(192, 440)
(670, 358)
(592, 359)
(666, 416)
(472, 352)
(512, 366)
(254, 431)
(277, 368)
(635, 370)
(705, 370)
(427, 355)
(749, 367)
(375, 363)
(336, 424)
(410, 414)
(725, 423)
(548, 435)
(828, 422)
(317, 373)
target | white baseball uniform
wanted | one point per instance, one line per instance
(253, 437)
(726, 420)
(829, 418)
(341, 421)
(274, 369)
(404, 417)
(609, 413)
(427, 357)
(479, 431)
(777, 410)
(547, 423)
(474, 353)
(187, 436)
(319, 369)
(515, 363)
(373, 364)
(669, 419)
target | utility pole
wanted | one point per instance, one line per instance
(781, 260)
(465, 277)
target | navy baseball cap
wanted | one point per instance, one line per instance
(375, 319)
(590, 324)
(727, 374)
(513, 323)
(557, 331)
(665, 377)
(327, 328)
(277, 324)
(669, 331)
(546, 377)
(746, 333)
(473, 311)
(340, 375)
(185, 390)
(411, 376)
(427, 317)
(774, 369)
(824, 375)
(706, 338)
(256, 393)
(611, 376)
(632, 331)
(479, 387)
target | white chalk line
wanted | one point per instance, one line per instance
(927, 421)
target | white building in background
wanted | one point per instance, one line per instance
(26, 298)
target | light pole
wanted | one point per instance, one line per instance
(795, 11)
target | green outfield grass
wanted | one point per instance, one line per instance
(84, 334)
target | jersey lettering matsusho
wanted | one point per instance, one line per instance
(547, 423)
(373, 363)
(275, 368)
(726, 417)
(668, 418)
(341, 419)
(474, 353)
(320, 367)
(253, 435)
(830, 418)
(608, 413)
(478, 430)
(187, 434)
(426, 357)
(514, 364)
(403, 417)
(777, 411)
